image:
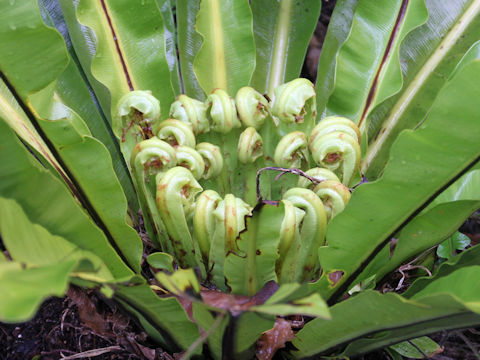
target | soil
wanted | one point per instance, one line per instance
(84, 326)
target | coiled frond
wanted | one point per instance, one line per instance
(191, 111)
(252, 107)
(137, 108)
(320, 174)
(175, 198)
(334, 196)
(250, 146)
(222, 112)
(189, 158)
(176, 132)
(213, 159)
(295, 103)
(204, 220)
(312, 230)
(291, 151)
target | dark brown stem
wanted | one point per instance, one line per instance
(282, 171)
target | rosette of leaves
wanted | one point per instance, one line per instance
(97, 124)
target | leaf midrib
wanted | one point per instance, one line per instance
(117, 46)
(409, 94)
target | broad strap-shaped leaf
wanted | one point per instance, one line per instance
(53, 207)
(226, 59)
(12, 113)
(84, 159)
(377, 211)
(85, 102)
(467, 258)
(369, 313)
(23, 290)
(214, 325)
(90, 168)
(282, 32)
(164, 318)
(428, 56)
(189, 42)
(436, 223)
(165, 7)
(32, 245)
(337, 32)
(248, 271)
(126, 52)
(368, 66)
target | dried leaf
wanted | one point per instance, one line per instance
(237, 304)
(274, 339)
(88, 313)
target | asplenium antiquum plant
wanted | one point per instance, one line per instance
(263, 204)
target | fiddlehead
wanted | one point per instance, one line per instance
(335, 144)
(320, 174)
(189, 158)
(229, 222)
(213, 159)
(291, 151)
(334, 196)
(295, 103)
(333, 124)
(175, 197)
(149, 161)
(191, 111)
(138, 108)
(250, 146)
(338, 152)
(138, 113)
(252, 107)
(204, 220)
(222, 111)
(312, 230)
(176, 132)
(289, 246)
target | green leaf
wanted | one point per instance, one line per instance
(84, 102)
(33, 245)
(466, 188)
(182, 281)
(460, 283)
(189, 42)
(338, 31)
(368, 65)
(410, 348)
(90, 169)
(165, 316)
(226, 59)
(15, 117)
(249, 327)
(370, 313)
(53, 207)
(438, 221)
(129, 51)
(161, 261)
(23, 290)
(282, 31)
(428, 56)
(84, 159)
(457, 241)
(215, 325)
(356, 235)
(249, 269)
(466, 258)
(312, 305)
(165, 7)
